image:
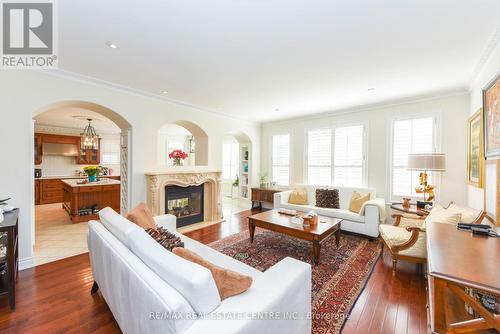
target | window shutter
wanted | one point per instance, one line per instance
(319, 157)
(281, 159)
(349, 156)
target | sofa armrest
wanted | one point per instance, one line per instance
(167, 221)
(281, 198)
(282, 292)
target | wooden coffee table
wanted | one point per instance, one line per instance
(274, 221)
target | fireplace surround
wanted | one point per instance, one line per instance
(209, 180)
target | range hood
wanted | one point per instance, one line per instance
(67, 150)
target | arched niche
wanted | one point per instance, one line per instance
(200, 138)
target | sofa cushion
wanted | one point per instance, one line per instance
(468, 214)
(327, 198)
(141, 216)
(357, 201)
(298, 196)
(118, 225)
(341, 214)
(439, 214)
(192, 281)
(229, 283)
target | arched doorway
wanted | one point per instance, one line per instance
(237, 170)
(186, 136)
(60, 124)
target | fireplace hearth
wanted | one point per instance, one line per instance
(186, 203)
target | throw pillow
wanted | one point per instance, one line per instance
(298, 196)
(141, 216)
(357, 201)
(440, 215)
(165, 238)
(326, 198)
(228, 282)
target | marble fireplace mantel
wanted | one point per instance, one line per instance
(184, 177)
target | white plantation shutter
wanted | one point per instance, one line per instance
(410, 136)
(281, 159)
(319, 157)
(230, 161)
(349, 156)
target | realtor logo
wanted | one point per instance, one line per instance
(28, 34)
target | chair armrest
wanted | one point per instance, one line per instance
(167, 221)
(283, 290)
(415, 231)
(407, 218)
(281, 198)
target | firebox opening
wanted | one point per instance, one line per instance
(186, 203)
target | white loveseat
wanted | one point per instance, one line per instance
(366, 222)
(151, 290)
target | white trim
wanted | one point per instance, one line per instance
(26, 263)
(492, 44)
(125, 89)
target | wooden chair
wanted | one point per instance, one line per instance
(406, 239)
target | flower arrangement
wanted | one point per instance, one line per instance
(177, 156)
(92, 172)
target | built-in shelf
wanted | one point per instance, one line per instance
(245, 170)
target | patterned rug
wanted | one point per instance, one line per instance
(336, 282)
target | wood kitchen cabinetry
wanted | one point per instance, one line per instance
(88, 156)
(37, 192)
(38, 149)
(51, 191)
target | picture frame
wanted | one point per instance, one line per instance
(491, 119)
(475, 150)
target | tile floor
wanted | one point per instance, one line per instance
(56, 237)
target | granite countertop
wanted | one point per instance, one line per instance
(54, 177)
(103, 182)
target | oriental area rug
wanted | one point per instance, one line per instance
(337, 281)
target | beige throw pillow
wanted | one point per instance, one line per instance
(141, 216)
(298, 196)
(228, 282)
(439, 214)
(357, 201)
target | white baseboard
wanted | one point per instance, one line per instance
(26, 263)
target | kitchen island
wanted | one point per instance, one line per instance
(83, 201)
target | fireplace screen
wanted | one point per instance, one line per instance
(186, 203)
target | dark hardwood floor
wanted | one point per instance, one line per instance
(55, 297)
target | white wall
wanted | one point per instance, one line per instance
(452, 110)
(489, 71)
(23, 93)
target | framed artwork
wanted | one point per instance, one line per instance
(475, 155)
(491, 118)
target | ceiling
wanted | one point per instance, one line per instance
(76, 118)
(266, 60)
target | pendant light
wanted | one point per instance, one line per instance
(89, 138)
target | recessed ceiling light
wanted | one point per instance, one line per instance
(371, 89)
(112, 45)
(277, 109)
(164, 92)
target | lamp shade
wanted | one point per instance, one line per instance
(434, 162)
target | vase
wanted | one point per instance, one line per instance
(92, 178)
(177, 162)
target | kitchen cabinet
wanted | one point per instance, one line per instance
(88, 156)
(37, 192)
(38, 149)
(51, 191)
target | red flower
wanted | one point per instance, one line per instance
(178, 154)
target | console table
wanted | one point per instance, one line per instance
(457, 260)
(260, 195)
(9, 226)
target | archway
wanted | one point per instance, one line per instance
(237, 172)
(184, 135)
(64, 121)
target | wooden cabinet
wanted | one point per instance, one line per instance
(260, 195)
(88, 156)
(37, 192)
(38, 149)
(51, 191)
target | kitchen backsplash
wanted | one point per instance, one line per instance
(54, 165)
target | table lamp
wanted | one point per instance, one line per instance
(426, 162)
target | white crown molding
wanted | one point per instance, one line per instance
(370, 107)
(138, 92)
(493, 42)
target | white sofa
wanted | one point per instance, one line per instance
(151, 290)
(365, 223)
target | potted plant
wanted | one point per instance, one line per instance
(177, 156)
(263, 180)
(92, 172)
(236, 182)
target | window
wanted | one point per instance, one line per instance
(110, 151)
(281, 159)
(410, 136)
(319, 157)
(349, 156)
(230, 161)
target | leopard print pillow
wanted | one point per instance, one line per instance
(165, 238)
(326, 198)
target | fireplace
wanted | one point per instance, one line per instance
(186, 203)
